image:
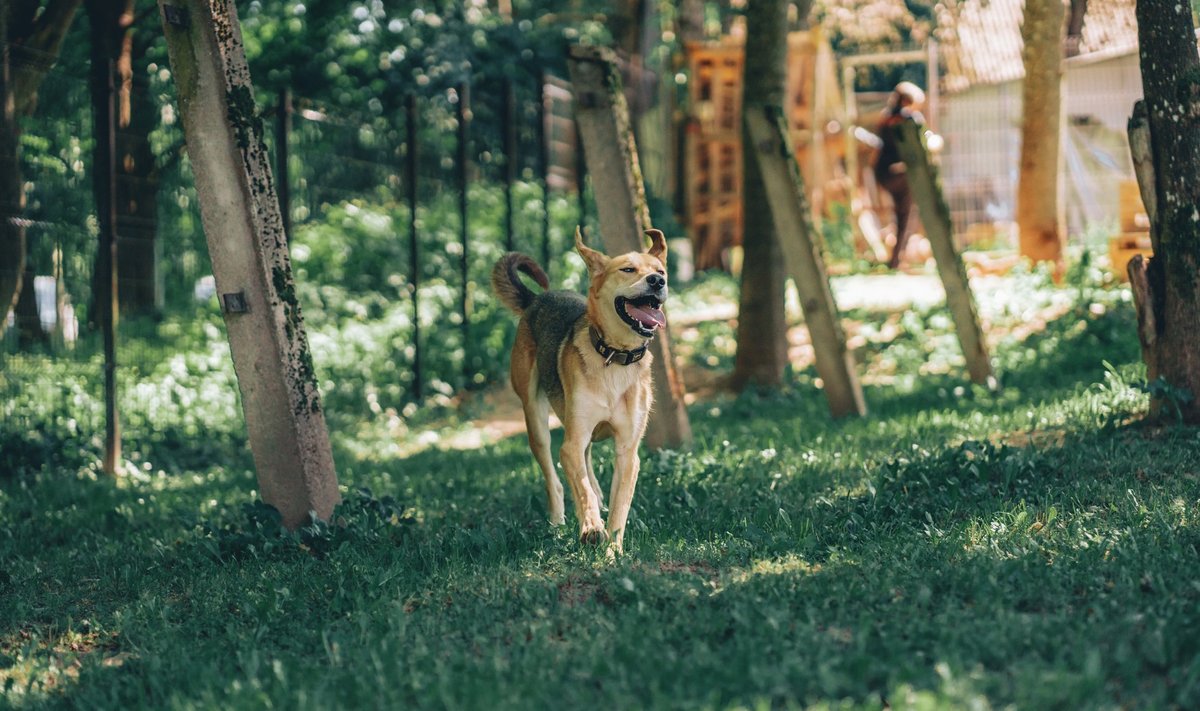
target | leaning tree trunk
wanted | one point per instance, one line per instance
(762, 326)
(1167, 290)
(1039, 190)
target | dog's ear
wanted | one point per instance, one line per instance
(658, 245)
(596, 262)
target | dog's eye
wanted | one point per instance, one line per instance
(628, 270)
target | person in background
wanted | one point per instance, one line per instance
(890, 172)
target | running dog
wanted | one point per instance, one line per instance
(587, 358)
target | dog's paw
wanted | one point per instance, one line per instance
(593, 536)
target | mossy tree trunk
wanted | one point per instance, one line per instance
(1040, 217)
(1168, 288)
(248, 248)
(762, 326)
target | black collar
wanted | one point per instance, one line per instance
(614, 355)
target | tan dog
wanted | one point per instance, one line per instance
(587, 358)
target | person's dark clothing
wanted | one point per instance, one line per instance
(891, 175)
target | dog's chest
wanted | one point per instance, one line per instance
(616, 381)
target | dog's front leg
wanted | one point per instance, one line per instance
(625, 474)
(627, 433)
(587, 501)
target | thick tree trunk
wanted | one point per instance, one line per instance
(31, 36)
(1039, 206)
(1168, 290)
(762, 325)
(12, 235)
(137, 179)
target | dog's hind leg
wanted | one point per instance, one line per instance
(537, 424)
(537, 417)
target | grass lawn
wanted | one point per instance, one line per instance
(1034, 548)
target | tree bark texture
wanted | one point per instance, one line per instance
(248, 248)
(1168, 288)
(12, 236)
(762, 324)
(1040, 216)
(31, 44)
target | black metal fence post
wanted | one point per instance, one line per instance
(580, 177)
(508, 120)
(544, 165)
(463, 112)
(106, 296)
(414, 251)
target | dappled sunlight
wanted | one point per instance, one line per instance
(42, 663)
(790, 565)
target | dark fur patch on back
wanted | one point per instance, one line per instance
(552, 317)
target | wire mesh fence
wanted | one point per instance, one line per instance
(394, 222)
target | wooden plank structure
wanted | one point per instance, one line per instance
(612, 160)
(935, 215)
(248, 247)
(776, 162)
(713, 154)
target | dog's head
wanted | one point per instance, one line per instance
(627, 291)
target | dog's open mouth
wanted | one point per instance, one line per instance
(643, 313)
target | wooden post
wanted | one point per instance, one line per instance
(248, 248)
(766, 128)
(463, 114)
(935, 216)
(283, 129)
(1138, 269)
(933, 88)
(414, 247)
(1140, 150)
(604, 129)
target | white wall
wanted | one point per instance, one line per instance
(983, 144)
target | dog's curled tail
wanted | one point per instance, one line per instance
(508, 285)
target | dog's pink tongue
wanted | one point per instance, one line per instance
(648, 316)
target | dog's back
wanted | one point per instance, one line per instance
(551, 315)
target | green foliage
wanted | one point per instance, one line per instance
(353, 278)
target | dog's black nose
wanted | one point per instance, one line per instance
(656, 281)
